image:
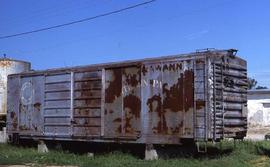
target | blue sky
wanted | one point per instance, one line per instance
(161, 28)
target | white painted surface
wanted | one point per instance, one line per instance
(42, 147)
(258, 114)
(3, 136)
(151, 154)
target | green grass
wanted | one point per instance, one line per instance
(244, 154)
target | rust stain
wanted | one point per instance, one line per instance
(37, 106)
(128, 128)
(12, 115)
(200, 61)
(180, 95)
(5, 63)
(133, 103)
(173, 97)
(155, 105)
(132, 79)
(144, 70)
(189, 89)
(115, 86)
(117, 120)
(132, 108)
(177, 129)
(119, 129)
(200, 104)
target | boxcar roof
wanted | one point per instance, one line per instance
(198, 54)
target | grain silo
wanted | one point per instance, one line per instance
(8, 66)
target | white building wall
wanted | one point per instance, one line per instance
(259, 112)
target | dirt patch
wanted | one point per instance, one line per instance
(260, 162)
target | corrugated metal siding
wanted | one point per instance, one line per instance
(87, 103)
(57, 113)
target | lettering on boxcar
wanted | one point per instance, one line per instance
(26, 93)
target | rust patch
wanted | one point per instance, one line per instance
(115, 86)
(134, 104)
(37, 106)
(200, 104)
(89, 85)
(189, 89)
(174, 96)
(119, 129)
(144, 70)
(117, 120)
(128, 127)
(5, 63)
(155, 105)
(12, 115)
(177, 129)
(132, 80)
(200, 61)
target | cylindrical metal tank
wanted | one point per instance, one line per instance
(7, 67)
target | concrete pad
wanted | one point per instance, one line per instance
(3, 136)
(42, 147)
(150, 153)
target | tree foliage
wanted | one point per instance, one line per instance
(252, 84)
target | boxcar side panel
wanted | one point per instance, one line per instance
(86, 96)
(30, 108)
(57, 113)
(167, 100)
(122, 102)
(13, 100)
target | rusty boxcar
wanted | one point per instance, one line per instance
(199, 96)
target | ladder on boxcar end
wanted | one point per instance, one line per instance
(218, 100)
(200, 118)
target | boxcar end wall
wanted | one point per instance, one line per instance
(199, 97)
